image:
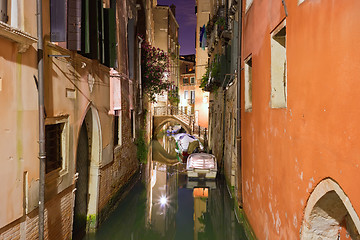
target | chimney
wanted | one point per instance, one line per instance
(173, 7)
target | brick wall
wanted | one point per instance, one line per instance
(58, 220)
(116, 174)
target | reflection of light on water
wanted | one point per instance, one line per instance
(163, 200)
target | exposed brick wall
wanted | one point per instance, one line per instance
(58, 220)
(10, 232)
(116, 174)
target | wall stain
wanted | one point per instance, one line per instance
(19, 119)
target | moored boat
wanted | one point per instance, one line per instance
(201, 165)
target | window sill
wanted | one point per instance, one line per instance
(23, 39)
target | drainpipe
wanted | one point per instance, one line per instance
(139, 72)
(42, 154)
(238, 139)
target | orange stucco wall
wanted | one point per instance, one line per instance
(18, 133)
(288, 151)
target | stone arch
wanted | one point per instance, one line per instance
(158, 126)
(328, 213)
(88, 164)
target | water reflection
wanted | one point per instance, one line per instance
(170, 206)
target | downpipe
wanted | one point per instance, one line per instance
(238, 139)
(42, 153)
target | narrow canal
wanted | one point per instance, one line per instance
(168, 205)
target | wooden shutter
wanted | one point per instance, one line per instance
(85, 28)
(131, 41)
(101, 31)
(110, 37)
(58, 20)
(74, 25)
(3, 11)
(94, 29)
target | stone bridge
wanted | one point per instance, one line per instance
(163, 115)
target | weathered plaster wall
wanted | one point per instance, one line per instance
(18, 134)
(202, 17)
(288, 151)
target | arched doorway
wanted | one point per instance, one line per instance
(329, 214)
(88, 158)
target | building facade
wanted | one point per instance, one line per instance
(220, 80)
(299, 125)
(187, 85)
(166, 38)
(92, 107)
(202, 9)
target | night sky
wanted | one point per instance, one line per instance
(186, 18)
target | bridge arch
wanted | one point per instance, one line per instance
(160, 121)
(329, 213)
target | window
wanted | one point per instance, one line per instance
(185, 95)
(54, 146)
(192, 80)
(185, 80)
(248, 84)
(278, 67)
(192, 97)
(84, 26)
(117, 128)
(131, 52)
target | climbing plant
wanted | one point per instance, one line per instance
(213, 72)
(154, 69)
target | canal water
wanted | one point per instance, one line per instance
(170, 206)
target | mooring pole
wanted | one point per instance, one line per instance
(42, 154)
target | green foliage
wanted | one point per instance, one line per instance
(221, 21)
(173, 97)
(214, 72)
(154, 69)
(142, 147)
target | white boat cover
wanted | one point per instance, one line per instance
(184, 139)
(201, 161)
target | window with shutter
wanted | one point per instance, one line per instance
(131, 53)
(101, 31)
(74, 25)
(110, 37)
(85, 27)
(192, 97)
(57, 21)
(94, 29)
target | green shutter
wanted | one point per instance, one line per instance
(94, 29)
(110, 37)
(101, 31)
